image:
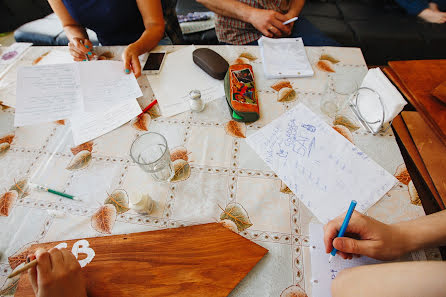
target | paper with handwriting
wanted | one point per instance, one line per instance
(322, 168)
(322, 272)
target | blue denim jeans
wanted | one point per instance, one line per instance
(414, 7)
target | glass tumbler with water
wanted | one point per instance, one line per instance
(151, 153)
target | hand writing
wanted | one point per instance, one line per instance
(375, 239)
(57, 274)
(80, 49)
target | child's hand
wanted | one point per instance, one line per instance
(57, 273)
(375, 239)
(80, 49)
(131, 61)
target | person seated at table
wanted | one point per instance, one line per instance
(433, 11)
(57, 273)
(138, 24)
(245, 21)
(388, 242)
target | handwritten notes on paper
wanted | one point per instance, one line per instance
(323, 169)
(104, 83)
(47, 93)
(89, 125)
(322, 272)
(55, 92)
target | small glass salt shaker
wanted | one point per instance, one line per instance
(195, 102)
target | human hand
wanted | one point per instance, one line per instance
(374, 239)
(270, 23)
(57, 273)
(131, 61)
(80, 49)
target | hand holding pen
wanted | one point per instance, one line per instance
(81, 49)
(364, 236)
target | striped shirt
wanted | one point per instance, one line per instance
(234, 31)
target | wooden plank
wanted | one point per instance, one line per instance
(404, 135)
(202, 260)
(431, 149)
(419, 78)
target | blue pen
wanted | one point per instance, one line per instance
(343, 227)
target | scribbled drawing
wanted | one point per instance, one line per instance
(333, 273)
(235, 129)
(282, 153)
(293, 291)
(104, 219)
(414, 197)
(181, 169)
(142, 122)
(237, 214)
(119, 199)
(83, 247)
(309, 127)
(402, 175)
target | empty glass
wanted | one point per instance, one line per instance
(151, 153)
(337, 94)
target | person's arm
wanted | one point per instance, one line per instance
(152, 15)
(268, 22)
(385, 242)
(404, 279)
(79, 44)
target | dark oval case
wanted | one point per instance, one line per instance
(211, 62)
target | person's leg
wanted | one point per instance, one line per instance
(430, 11)
(311, 35)
(403, 279)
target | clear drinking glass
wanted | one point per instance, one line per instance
(337, 94)
(151, 153)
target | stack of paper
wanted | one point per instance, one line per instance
(180, 75)
(322, 168)
(284, 57)
(96, 96)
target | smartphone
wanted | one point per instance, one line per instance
(154, 63)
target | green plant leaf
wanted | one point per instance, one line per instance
(236, 213)
(80, 160)
(119, 199)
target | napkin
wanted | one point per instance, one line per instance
(368, 102)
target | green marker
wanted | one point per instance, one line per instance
(55, 192)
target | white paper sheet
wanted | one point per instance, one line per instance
(104, 83)
(89, 125)
(322, 272)
(284, 57)
(13, 52)
(47, 93)
(57, 57)
(319, 165)
(177, 78)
